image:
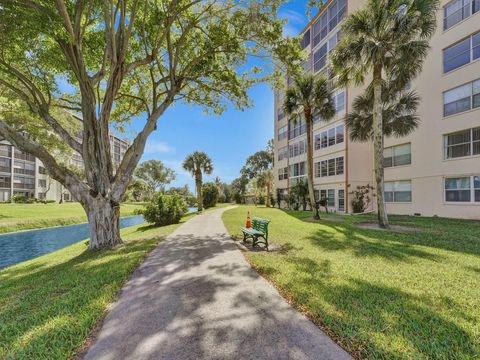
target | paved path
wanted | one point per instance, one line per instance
(195, 297)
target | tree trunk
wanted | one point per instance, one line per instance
(267, 200)
(311, 193)
(198, 185)
(378, 146)
(104, 221)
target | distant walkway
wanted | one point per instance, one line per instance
(196, 297)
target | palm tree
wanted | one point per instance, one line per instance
(384, 39)
(399, 116)
(198, 163)
(309, 96)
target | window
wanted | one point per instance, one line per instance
(306, 39)
(5, 181)
(458, 10)
(42, 170)
(324, 168)
(5, 165)
(330, 167)
(298, 148)
(5, 150)
(341, 200)
(461, 98)
(339, 100)
(329, 137)
(282, 132)
(397, 155)
(340, 134)
(280, 114)
(283, 173)
(331, 197)
(461, 53)
(297, 128)
(297, 169)
(320, 58)
(42, 183)
(21, 182)
(398, 191)
(462, 143)
(462, 189)
(283, 153)
(321, 54)
(317, 169)
(41, 196)
(323, 194)
(339, 165)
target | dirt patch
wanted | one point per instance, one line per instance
(332, 219)
(394, 228)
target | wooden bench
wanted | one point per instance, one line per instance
(258, 232)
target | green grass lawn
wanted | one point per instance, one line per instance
(379, 294)
(49, 305)
(14, 217)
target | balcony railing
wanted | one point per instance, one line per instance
(23, 186)
(24, 171)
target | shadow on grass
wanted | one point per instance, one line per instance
(47, 310)
(377, 321)
(441, 233)
(365, 244)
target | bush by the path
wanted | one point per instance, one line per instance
(210, 195)
(165, 209)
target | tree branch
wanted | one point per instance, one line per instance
(60, 173)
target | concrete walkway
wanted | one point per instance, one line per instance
(195, 297)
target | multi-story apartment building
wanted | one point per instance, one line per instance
(22, 173)
(433, 171)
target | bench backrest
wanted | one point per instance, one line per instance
(260, 225)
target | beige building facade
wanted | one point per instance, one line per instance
(24, 174)
(433, 171)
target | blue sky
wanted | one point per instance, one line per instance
(229, 138)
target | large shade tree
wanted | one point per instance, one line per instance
(107, 62)
(386, 39)
(308, 97)
(198, 163)
(155, 175)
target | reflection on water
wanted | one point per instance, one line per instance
(25, 245)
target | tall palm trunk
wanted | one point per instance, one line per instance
(198, 186)
(378, 145)
(311, 193)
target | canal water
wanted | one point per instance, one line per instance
(25, 245)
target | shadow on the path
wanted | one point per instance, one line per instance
(168, 311)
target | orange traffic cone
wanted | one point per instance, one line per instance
(248, 224)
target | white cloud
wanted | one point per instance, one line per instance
(295, 22)
(154, 146)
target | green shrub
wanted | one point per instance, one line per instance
(165, 209)
(361, 198)
(210, 195)
(261, 200)
(20, 199)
